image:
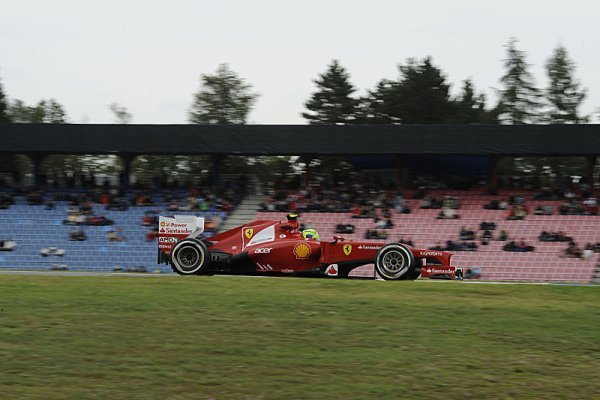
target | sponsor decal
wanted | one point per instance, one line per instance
(164, 239)
(263, 236)
(301, 251)
(176, 225)
(263, 250)
(332, 270)
(347, 249)
(282, 236)
(438, 271)
(249, 233)
(368, 247)
(287, 271)
(431, 253)
(264, 267)
(258, 240)
(176, 231)
(233, 247)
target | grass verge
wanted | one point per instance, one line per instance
(236, 337)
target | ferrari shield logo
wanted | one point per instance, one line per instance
(249, 232)
(347, 249)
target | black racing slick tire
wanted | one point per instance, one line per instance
(190, 257)
(417, 272)
(395, 261)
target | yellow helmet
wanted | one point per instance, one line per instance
(310, 234)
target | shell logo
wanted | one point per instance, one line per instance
(249, 232)
(301, 251)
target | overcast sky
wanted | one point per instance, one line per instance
(148, 55)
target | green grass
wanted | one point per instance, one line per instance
(236, 338)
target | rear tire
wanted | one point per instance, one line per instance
(190, 257)
(395, 261)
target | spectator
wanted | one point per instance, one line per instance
(150, 217)
(466, 234)
(77, 235)
(7, 245)
(590, 206)
(543, 210)
(344, 228)
(98, 220)
(151, 235)
(460, 246)
(502, 236)
(521, 246)
(375, 234)
(517, 212)
(430, 202)
(573, 251)
(496, 205)
(114, 236)
(447, 213)
(588, 251)
(173, 205)
(486, 237)
(487, 226)
(72, 219)
(554, 237)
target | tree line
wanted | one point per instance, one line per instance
(419, 95)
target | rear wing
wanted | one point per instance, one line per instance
(173, 229)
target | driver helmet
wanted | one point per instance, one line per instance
(310, 234)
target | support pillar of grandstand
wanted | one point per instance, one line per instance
(591, 164)
(215, 176)
(36, 160)
(493, 177)
(126, 158)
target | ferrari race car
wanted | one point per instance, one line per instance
(264, 247)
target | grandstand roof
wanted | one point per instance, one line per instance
(301, 139)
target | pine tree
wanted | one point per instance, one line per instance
(375, 108)
(564, 94)
(4, 116)
(224, 98)
(332, 103)
(470, 108)
(421, 95)
(519, 99)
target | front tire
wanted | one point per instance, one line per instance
(190, 257)
(395, 261)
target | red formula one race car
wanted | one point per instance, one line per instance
(264, 247)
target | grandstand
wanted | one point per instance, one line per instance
(33, 227)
